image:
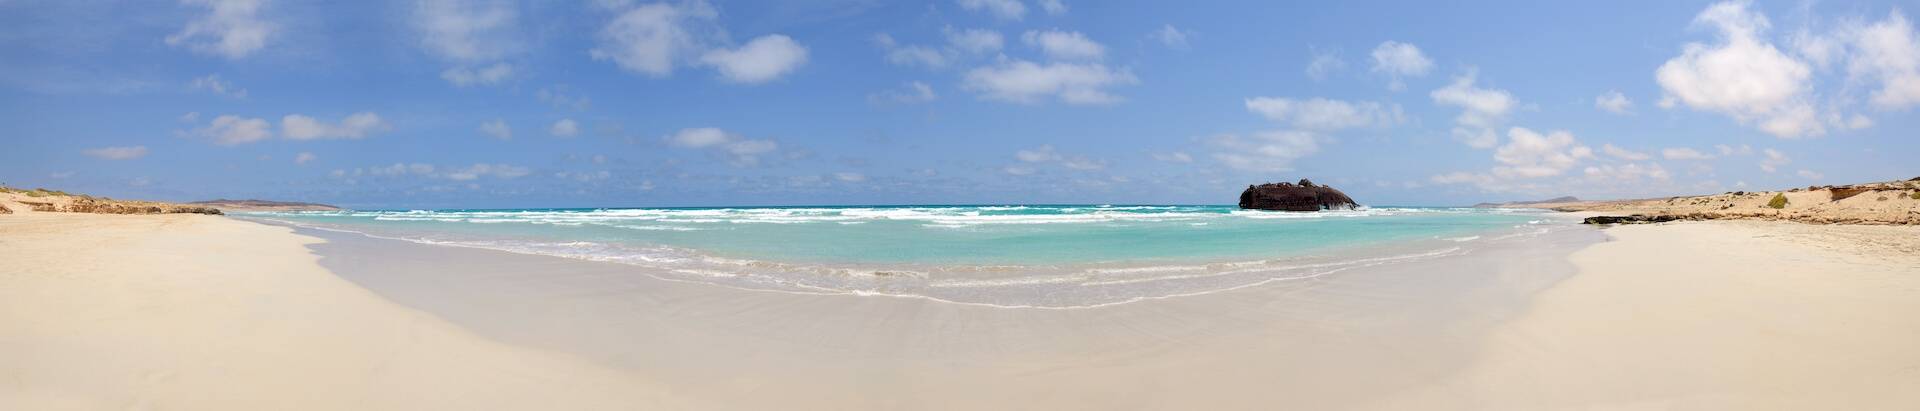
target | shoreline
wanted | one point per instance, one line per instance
(386, 324)
(1325, 342)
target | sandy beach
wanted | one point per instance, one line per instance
(203, 312)
(209, 313)
(1712, 315)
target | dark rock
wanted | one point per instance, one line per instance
(1842, 193)
(1632, 219)
(1304, 196)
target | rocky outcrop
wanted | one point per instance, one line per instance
(89, 205)
(1887, 202)
(1303, 196)
(1632, 219)
(49, 201)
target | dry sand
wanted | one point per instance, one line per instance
(1723, 315)
(200, 312)
(208, 313)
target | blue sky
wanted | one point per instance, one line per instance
(633, 103)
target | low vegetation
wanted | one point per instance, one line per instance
(1779, 201)
(38, 192)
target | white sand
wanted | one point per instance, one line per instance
(1712, 315)
(199, 312)
(208, 313)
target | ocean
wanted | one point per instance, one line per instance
(1021, 256)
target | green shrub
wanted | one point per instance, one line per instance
(1779, 201)
(1915, 195)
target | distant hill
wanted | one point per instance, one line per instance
(265, 205)
(1567, 199)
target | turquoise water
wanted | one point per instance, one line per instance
(1044, 256)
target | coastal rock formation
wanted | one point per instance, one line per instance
(1888, 202)
(1304, 196)
(49, 201)
(1632, 219)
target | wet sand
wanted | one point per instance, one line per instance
(1324, 343)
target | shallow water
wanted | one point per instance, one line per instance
(1008, 256)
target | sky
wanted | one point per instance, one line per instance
(609, 103)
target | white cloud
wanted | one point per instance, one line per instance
(1171, 36)
(1053, 7)
(1039, 154)
(1083, 163)
(763, 59)
(1324, 64)
(1726, 150)
(557, 96)
(1742, 75)
(355, 126)
(464, 76)
(917, 55)
(1623, 154)
(1809, 174)
(1018, 170)
(1682, 153)
(116, 153)
(231, 28)
(1461, 177)
(474, 34)
(1022, 81)
(497, 129)
(1398, 60)
(959, 41)
(653, 38)
(1002, 9)
(1482, 110)
(1614, 102)
(213, 83)
(913, 92)
(1045, 154)
(850, 177)
(1324, 114)
(566, 127)
(304, 157)
(466, 30)
(476, 171)
(1267, 151)
(1627, 172)
(977, 41)
(1774, 159)
(231, 130)
(1529, 154)
(1889, 52)
(1064, 45)
(740, 151)
(1174, 157)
